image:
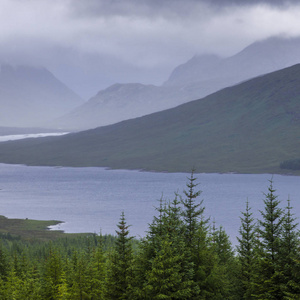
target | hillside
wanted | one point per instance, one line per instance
(248, 128)
(197, 78)
(117, 102)
(29, 96)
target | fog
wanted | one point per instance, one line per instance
(90, 45)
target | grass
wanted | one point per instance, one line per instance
(28, 229)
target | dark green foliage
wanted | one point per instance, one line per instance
(192, 211)
(225, 265)
(3, 263)
(269, 231)
(222, 246)
(181, 257)
(120, 268)
(163, 268)
(51, 274)
(274, 255)
(246, 251)
(171, 272)
(290, 255)
(270, 227)
(169, 277)
(196, 237)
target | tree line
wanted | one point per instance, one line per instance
(183, 256)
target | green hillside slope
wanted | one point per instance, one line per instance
(250, 128)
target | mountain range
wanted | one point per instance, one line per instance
(248, 128)
(198, 77)
(34, 97)
(29, 96)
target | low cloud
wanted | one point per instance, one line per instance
(110, 41)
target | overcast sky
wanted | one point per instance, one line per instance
(91, 44)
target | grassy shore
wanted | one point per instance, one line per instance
(32, 229)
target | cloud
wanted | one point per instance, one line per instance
(99, 42)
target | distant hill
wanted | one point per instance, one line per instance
(258, 58)
(118, 102)
(199, 77)
(248, 128)
(30, 96)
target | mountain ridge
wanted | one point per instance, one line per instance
(31, 95)
(248, 128)
(197, 78)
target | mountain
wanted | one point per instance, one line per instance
(30, 96)
(258, 58)
(199, 77)
(118, 102)
(248, 128)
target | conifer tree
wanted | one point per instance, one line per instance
(171, 273)
(222, 246)
(52, 272)
(193, 211)
(224, 265)
(97, 272)
(146, 253)
(4, 265)
(269, 231)
(120, 267)
(79, 286)
(196, 237)
(246, 251)
(63, 289)
(290, 256)
(166, 277)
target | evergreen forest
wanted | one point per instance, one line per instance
(183, 255)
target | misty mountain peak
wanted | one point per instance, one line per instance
(259, 58)
(198, 77)
(31, 95)
(199, 67)
(119, 87)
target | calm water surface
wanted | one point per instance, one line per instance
(90, 199)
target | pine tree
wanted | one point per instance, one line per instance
(171, 272)
(98, 272)
(146, 253)
(63, 289)
(52, 272)
(192, 211)
(4, 266)
(290, 256)
(224, 265)
(269, 231)
(166, 279)
(196, 237)
(79, 280)
(246, 251)
(32, 284)
(120, 267)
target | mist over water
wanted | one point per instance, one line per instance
(90, 199)
(14, 137)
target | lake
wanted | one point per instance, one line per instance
(90, 199)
